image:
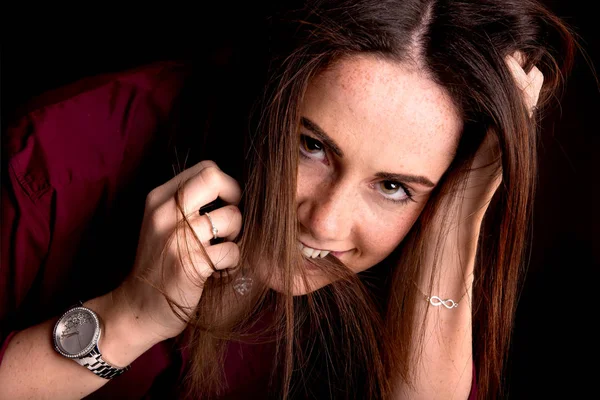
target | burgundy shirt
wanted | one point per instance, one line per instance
(76, 168)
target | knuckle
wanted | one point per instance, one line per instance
(519, 56)
(208, 163)
(211, 176)
(152, 198)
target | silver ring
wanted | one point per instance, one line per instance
(215, 231)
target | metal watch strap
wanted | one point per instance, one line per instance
(94, 362)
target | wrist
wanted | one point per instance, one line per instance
(123, 338)
(455, 262)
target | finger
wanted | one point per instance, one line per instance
(223, 255)
(517, 71)
(519, 57)
(536, 79)
(195, 265)
(530, 84)
(230, 258)
(226, 220)
(207, 185)
(534, 76)
(164, 192)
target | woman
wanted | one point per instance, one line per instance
(386, 130)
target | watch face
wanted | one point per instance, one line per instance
(76, 332)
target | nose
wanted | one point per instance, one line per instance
(328, 213)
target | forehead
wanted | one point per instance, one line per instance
(391, 114)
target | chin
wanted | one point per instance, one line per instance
(299, 286)
(314, 280)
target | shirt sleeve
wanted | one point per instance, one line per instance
(25, 240)
(67, 156)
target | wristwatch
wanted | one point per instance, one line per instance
(76, 335)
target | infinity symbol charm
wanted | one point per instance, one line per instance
(436, 301)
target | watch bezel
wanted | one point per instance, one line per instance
(92, 343)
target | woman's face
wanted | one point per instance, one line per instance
(376, 137)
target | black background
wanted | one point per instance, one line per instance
(41, 51)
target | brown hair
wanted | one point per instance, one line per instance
(357, 330)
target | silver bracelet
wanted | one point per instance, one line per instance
(437, 301)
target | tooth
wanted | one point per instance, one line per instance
(307, 251)
(324, 253)
(300, 246)
(315, 254)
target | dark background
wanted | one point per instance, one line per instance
(45, 52)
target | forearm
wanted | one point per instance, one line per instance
(444, 368)
(31, 368)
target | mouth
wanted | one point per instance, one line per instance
(310, 252)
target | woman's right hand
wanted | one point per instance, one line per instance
(163, 259)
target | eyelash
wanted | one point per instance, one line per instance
(407, 191)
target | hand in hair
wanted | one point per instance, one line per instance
(485, 175)
(163, 266)
(530, 83)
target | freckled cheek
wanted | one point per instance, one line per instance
(393, 237)
(382, 239)
(307, 182)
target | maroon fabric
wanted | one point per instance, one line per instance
(76, 169)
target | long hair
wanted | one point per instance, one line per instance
(351, 339)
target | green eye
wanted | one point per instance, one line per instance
(389, 187)
(393, 191)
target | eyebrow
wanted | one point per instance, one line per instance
(329, 142)
(421, 180)
(320, 133)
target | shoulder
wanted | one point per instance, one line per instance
(150, 78)
(87, 129)
(76, 165)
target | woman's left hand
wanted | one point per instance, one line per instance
(530, 83)
(486, 173)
